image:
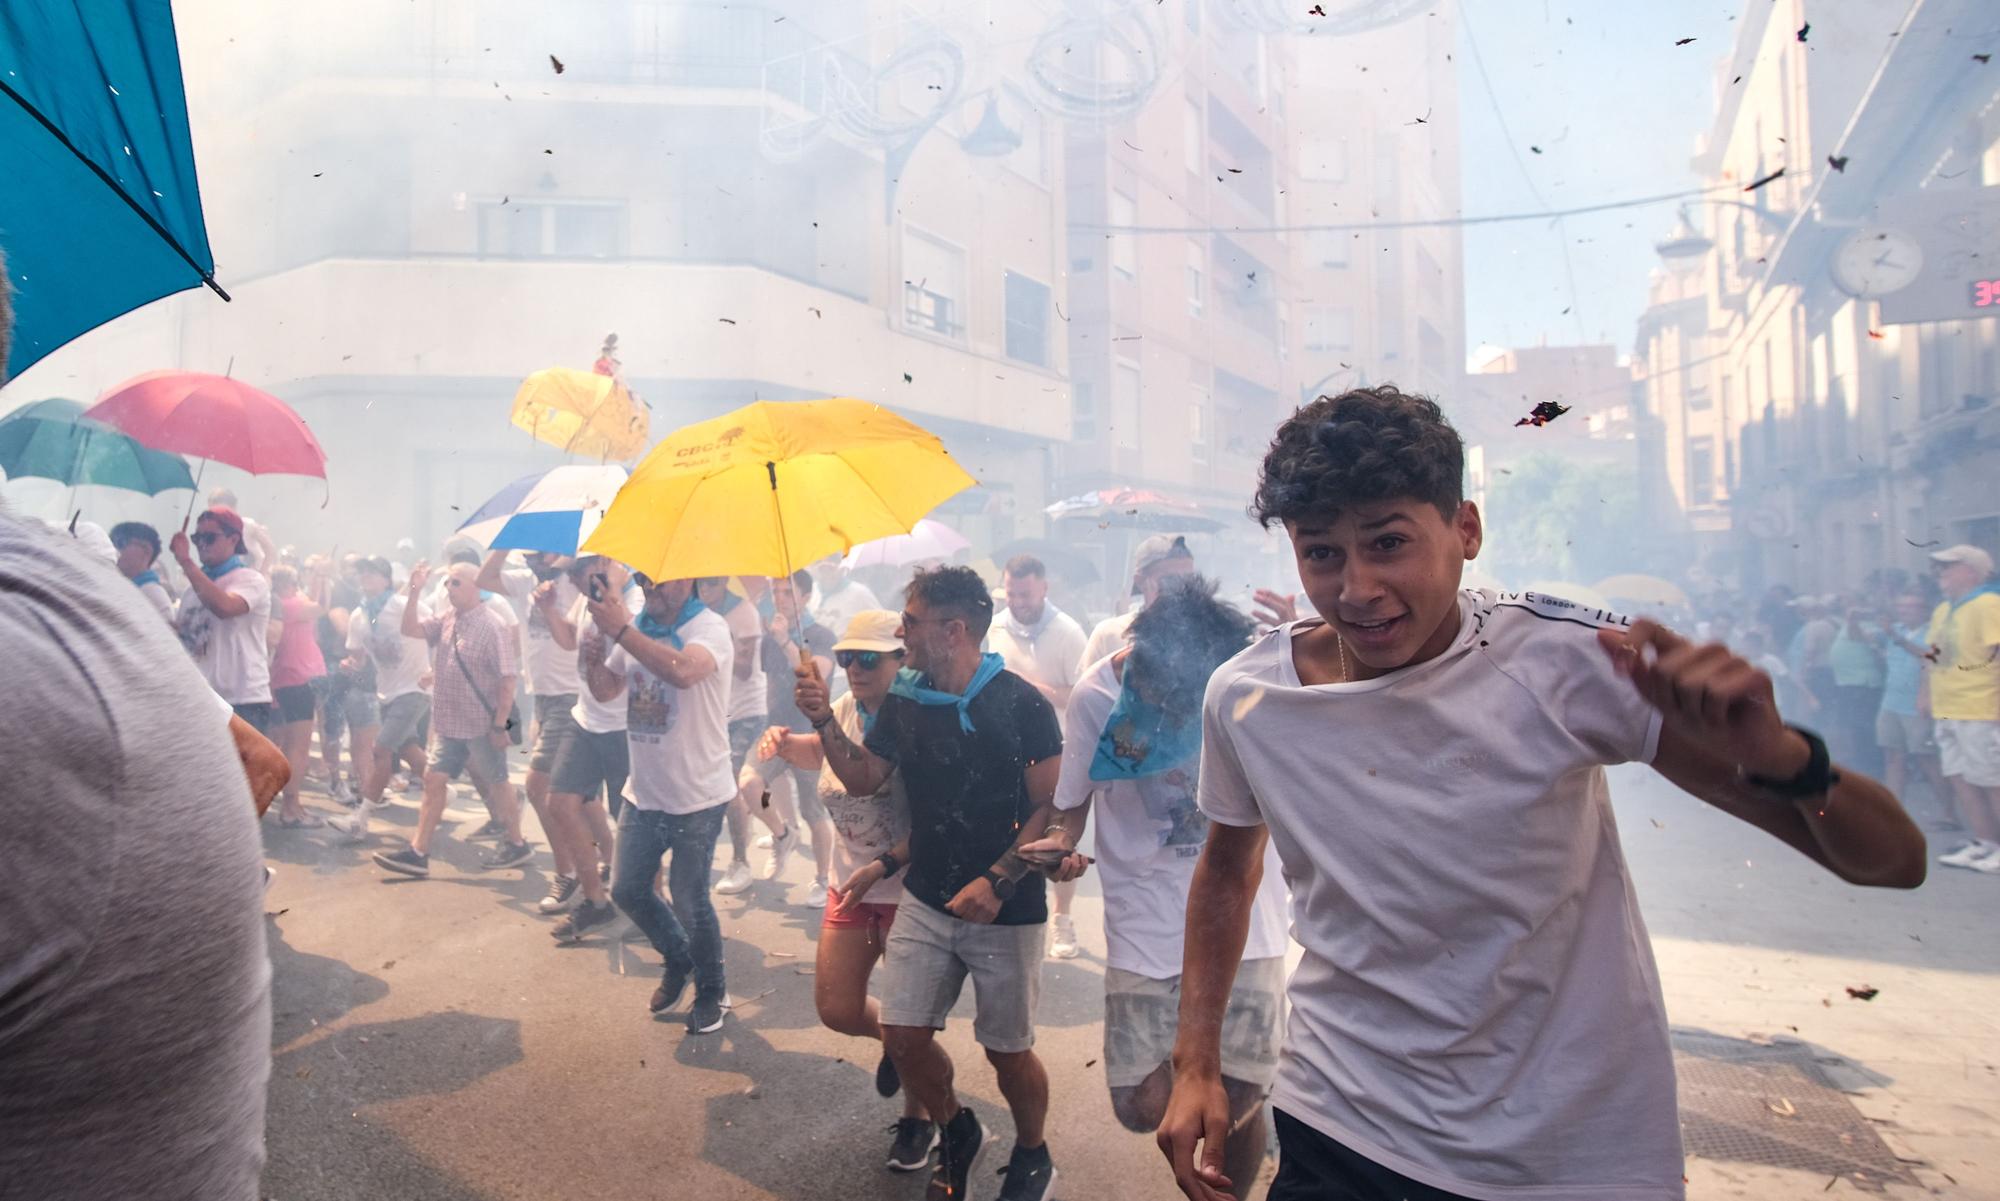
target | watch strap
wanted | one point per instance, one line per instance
(1814, 779)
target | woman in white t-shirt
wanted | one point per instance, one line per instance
(869, 830)
(224, 615)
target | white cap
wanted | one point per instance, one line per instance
(1978, 560)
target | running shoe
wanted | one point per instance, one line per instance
(407, 862)
(781, 852)
(1062, 940)
(674, 984)
(1031, 1175)
(1968, 853)
(963, 1137)
(734, 880)
(562, 895)
(816, 898)
(915, 1138)
(507, 854)
(585, 918)
(705, 1017)
(494, 828)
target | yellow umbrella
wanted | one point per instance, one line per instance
(582, 412)
(1642, 590)
(774, 485)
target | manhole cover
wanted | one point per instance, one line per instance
(1771, 1104)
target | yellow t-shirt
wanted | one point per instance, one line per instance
(1965, 676)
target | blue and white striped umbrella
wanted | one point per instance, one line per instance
(552, 511)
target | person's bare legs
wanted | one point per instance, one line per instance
(925, 1068)
(561, 848)
(597, 826)
(431, 813)
(566, 821)
(1025, 1083)
(361, 756)
(329, 750)
(1933, 774)
(295, 739)
(1976, 809)
(840, 991)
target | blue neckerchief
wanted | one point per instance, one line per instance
(148, 576)
(1982, 590)
(729, 601)
(867, 718)
(659, 631)
(1138, 740)
(914, 687)
(373, 605)
(485, 595)
(223, 568)
(767, 608)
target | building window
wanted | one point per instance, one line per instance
(933, 285)
(1701, 471)
(1323, 160)
(1125, 405)
(1030, 159)
(1027, 308)
(1191, 154)
(1198, 425)
(567, 230)
(1698, 401)
(1328, 247)
(1197, 263)
(1124, 251)
(1083, 412)
(1329, 328)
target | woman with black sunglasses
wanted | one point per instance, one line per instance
(870, 848)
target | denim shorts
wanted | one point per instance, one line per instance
(555, 726)
(449, 756)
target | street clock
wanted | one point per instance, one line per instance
(1876, 262)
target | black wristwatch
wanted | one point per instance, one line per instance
(1814, 779)
(890, 864)
(1002, 886)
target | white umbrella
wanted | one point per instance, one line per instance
(556, 514)
(929, 540)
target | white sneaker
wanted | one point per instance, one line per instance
(764, 841)
(342, 793)
(816, 899)
(1990, 863)
(1971, 852)
(781, 853)
(1062, 944)
(354, 825)
(734, 880)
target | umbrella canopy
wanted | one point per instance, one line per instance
(1138, 507)
(1642, 590)
(774, 485)
(555, 512)
(929, 540)
(582, 412)
(213, 417)
(52, 439)
(100, 213)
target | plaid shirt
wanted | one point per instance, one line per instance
(489, 652)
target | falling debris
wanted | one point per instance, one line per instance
(1837, 161)
(727, 320)
(1864, 993)
(1317, 10)
(1536, 149)
(1982, 58)
(907, 379)
(556, 63)
(1783, 1107)
(1921, 545)
(1683, 41)
(548, 152)
(1804, 30)
(1778, 174)
(1423, 120)
(1543, 413)
(1875, 334)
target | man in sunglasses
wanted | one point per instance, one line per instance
(225, 614)
(979, 750)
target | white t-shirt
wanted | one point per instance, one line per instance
(400, 662)
(746, 696)
(156, 596)
(836, 608)
(549, 669)
(1107, 639)
(867, 826)
(231, 652)
(679, 736)
(1478, 1007)
(598, 717)
(1046, 653)
(1149, 837)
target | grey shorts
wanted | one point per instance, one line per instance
(1906, 732)
(555, 726)
(357, 709)
(403, 721)
(929, 955)
(1142, 1016)
(743, 735)
(592, 765)
(450, 756)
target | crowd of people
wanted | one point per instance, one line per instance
(1249, 776)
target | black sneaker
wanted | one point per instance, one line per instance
(963, 1137)
(706, 1016)
(406, 861)
(494, 828)
(562, 895)
(674, 983)
(888, 1082)
(585, 918)
(1030, 1175)
(508, 854)
(915, 1138)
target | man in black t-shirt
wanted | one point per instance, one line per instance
(979, 749)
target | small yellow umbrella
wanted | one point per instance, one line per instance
(582, 412)
(1643, 590)
(773, 485)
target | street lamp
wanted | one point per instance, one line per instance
(1684, 249)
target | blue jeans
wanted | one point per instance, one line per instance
(689, 931)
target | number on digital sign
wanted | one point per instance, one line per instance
(1985, 293)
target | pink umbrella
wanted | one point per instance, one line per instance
(212, 417)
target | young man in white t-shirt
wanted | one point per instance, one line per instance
(225, 614)
(1132, 737)
(1492, 1029)
(672, 663)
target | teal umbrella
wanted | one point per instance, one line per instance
(53, 440)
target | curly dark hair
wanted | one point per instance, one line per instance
(957, 591)
(1181, 638)
(1370, 444)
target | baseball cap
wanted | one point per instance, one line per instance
(1158, 549)
(872, 630)
(1978, 560)
(225, 517)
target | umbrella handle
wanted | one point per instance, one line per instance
(785, 551)
(194, 497)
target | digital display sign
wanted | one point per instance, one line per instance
(1986, 293)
